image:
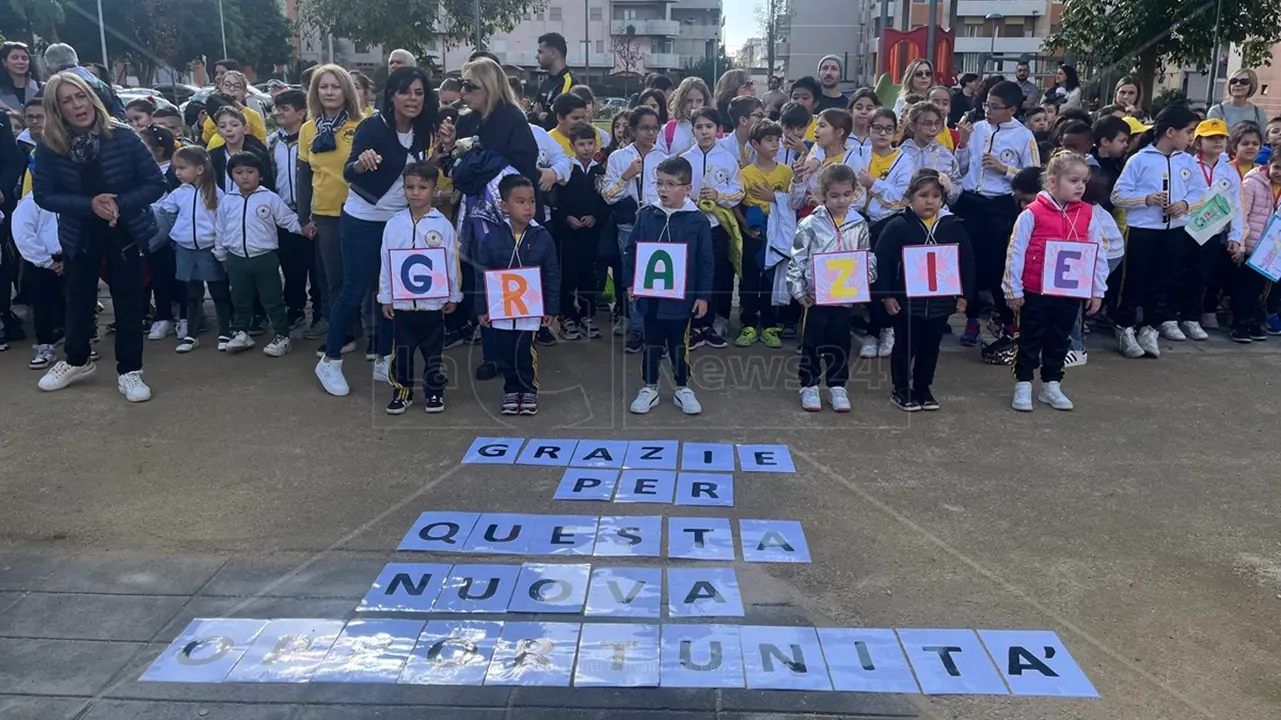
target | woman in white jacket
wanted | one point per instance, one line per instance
(35, 232)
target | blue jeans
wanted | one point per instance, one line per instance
(1075, 341)
(361, 242)
(633, 314)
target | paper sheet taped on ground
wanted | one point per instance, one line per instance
(629, 454)
(466, 652)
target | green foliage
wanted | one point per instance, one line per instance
(1167, 97)
(409, 24)
(23, 20)
(708, 69)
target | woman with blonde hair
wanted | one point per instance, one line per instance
(1242, 86)
(97, 175)
(235, 85)
(324, 142)
(918, 78)
(677, 134)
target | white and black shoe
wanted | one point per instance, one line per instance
(435, 404)
(43, 357)
(399, 405)
(187, 344)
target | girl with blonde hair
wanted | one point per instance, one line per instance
(677, 134)
(235, 85)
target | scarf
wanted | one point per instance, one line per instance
(325, 129)
(84, 148)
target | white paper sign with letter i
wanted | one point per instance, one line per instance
(1069, 269)
(840, 278)
(418, 273)
(661, 270)
(932, 271)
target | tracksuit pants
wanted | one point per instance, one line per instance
(1248, 289)
(168, 289)
(916, 350)
(756, 286)
(577, 272)
(1151, 263)
(124, 260)
(670, 334)
(421, 331)
(825, 338)
(991, 222)
(258, 275)
(517, 360)
(1041, 340)
(220, 292)
(1197, 264)
(297, 263)
(722, 302)
(48, 304)
(878, 319)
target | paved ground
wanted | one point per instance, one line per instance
(1143, 527)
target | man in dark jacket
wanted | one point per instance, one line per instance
(677, 221)
(551, 57)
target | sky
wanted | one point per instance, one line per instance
(740, 23)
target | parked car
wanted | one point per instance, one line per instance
(177, 93)
(257, 99)
(128, 95)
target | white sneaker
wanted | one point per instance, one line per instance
(132, 387)
(1022, 397)
(810, 401)
(869, 347)
(62, 375)
(645, 400)
(1192, 330)
(380, 369)
(1052, 394)
(160, 329)
(182, 329)
(278, 347)
(687, 401)
(223, 342)
(1148, 341)
(1075, 358)
(886, 345)
(240, 343)
(838, 399)
(331, 377)
(186, 344)
(1209, 321)
(1170, 331)
(1128, 344)
(43, 357)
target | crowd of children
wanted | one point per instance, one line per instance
(750, 201)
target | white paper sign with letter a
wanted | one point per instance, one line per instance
(840, 278)
(1069, 269)
(932, 270)
(514, 293)
(418, 274)
(661, 270)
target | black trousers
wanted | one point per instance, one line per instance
(125, 263)
(916, 350)
(989, 221)
(1151, 263)
(878, 319)
(1197, 264)
(1045, 322)
(670, 334)
(722, 302)
(418, 331)
(1247, 298)
(517, 360)
(578, 272)
(9, 263)
(48, 303)
(220, 292)
(825, 338)
(167, 288)
(1222, 274)
(756, 286)
(297, 263)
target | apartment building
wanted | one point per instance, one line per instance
(609, 36)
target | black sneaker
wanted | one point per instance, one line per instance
(713, 339)
(435, 404)
(926, 400)
(473, 335)
(789, 331)
(697, 337)
(399, 405)
(511, 404)
(635, 342)
(1240, 335)
(902, 399)
(545, 337)
(452, 340)
(486, 371)
(258, 327)
(1257, 334)
(528, 403)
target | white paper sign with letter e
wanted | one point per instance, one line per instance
(1069, 269)
(514, 293)
(932, 271)
(418, 273)
(661, 270)
(840, 278)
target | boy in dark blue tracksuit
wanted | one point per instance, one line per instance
(674, 220)
(520, 243)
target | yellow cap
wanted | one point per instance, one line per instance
(1210, 128)
(1136, 125)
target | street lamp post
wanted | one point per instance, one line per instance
(221, 24)
(102, 36)
(996, 19)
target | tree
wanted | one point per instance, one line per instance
(628, 55)
(1106, 30)
(774, 18)
(25, 19)
(708, 68)
(409, 24)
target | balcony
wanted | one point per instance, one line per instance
(1008, 8)
(519, 59)
(1004, 46)
(599, 60)
(661, 28)
(663, 61)
(698, 32)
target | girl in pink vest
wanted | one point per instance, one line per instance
(1044, 301)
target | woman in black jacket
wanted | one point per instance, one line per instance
(100, 179)
(383, 144)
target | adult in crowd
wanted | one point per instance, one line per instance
(963, 98)
(1023, 78)
(732, 84)
(917, 80)
(1242, 86)
(222, 67)
(60, 57)
(775, 97)
(1128, 93)
(977, 114)
(100, 179)
(400, 58)
(830, 73)
(384, 143)
(551, 59)
(324, 143)
(450, 92)
(18, 82)
(234, 85)
(1067, 88)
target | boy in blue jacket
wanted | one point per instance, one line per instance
(522, 242)
(674, 220)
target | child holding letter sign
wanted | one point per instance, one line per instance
(665, 294)
(1046, 281)
(418, 325)
(1261, 194)
(521, 243)
(834, 226)
(920, 313)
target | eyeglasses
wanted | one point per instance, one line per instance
(922, 73)
(1239, 81)
(930, 123)
(647, 128)
(884, 129)
(990, 106)
(469, 86)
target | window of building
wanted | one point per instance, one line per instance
(538, 15)
(972, 29)
(554, 14)
(360, 48)
(600, 46)
(595, 14)
(629, 14)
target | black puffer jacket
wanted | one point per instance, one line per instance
(908, 229)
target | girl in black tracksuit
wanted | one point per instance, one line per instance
(919, 322)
